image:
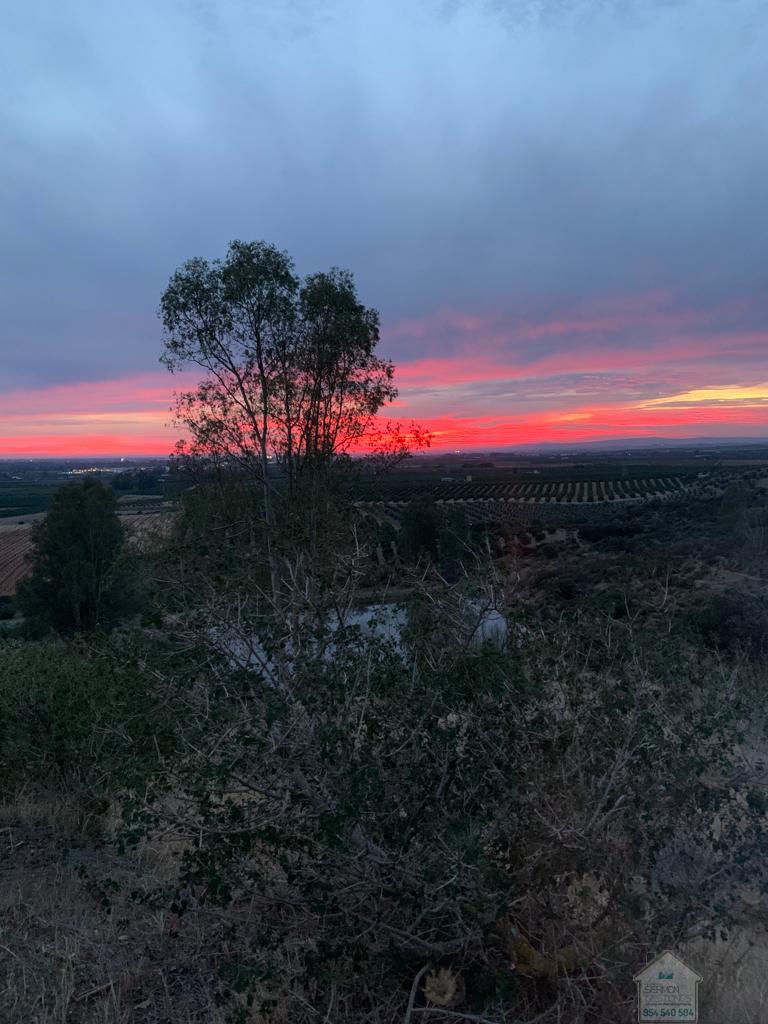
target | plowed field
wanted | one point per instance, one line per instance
(15, 543)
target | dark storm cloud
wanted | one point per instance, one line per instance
(521, 159)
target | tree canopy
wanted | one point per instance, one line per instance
(291, 370)
(77, 581)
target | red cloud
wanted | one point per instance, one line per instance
(593, 424)
(64, 446)
(437, 371)
(120, 417)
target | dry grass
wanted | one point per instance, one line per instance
(734, 989)
(72, 951)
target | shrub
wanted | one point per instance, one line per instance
(508, 816)
(76, 718)
(79, 579)
(731, 622)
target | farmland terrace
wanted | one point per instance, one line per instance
(544, 492)
(553, 495)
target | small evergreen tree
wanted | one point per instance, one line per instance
(79, 580)
(420, 530)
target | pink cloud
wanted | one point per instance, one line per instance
(650, 310)
(151, 390)
(468, 367)
(679, 353)
(91, 417)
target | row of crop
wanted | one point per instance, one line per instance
(14, 549)
(569, 491)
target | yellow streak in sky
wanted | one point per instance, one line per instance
(725, 393)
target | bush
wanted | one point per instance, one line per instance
(732, 622)
(79, 579)
(419, 530)
(77, 719)
(508, 816)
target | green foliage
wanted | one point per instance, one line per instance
(441, 536)
(19, 498)
(220, 539)
(532, 811)
(79, 578)
(77, 718)
(138, 481)
(291, 368)
(292, 383)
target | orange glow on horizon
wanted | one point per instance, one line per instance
(485, 395)
(449, 432)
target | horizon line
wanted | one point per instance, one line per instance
(631, 441)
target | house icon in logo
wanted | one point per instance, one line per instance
(667, 989)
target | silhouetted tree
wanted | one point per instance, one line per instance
(291, 369)
(78, 580)
(419, 530)
(292, 378)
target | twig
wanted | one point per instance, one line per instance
(327, 1018)
(458, 1016)
(95, 991)
(474, 1017)
(414, 990)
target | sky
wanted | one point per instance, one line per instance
(559, 207)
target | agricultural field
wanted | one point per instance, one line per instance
(26, 489)
(565, 496)
(19, 499)
(15, 543)
(579, 491)
(26, 486)
(544, 491)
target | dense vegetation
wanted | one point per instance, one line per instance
(79, 577)
(22, 499)
(356, 815)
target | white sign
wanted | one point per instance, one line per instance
(667, 989)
